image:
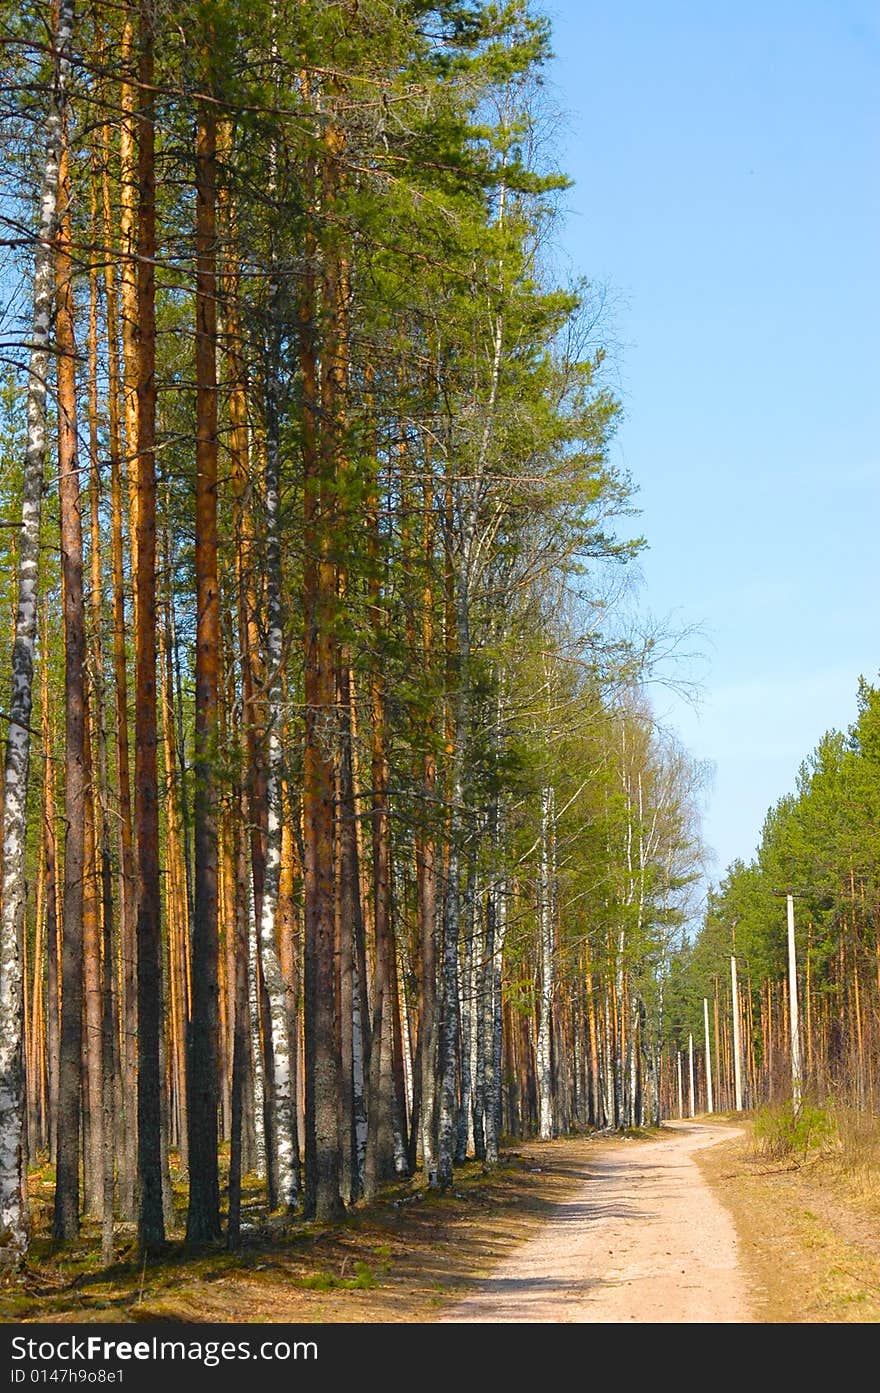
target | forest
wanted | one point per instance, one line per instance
(821, 843)
(340, 840)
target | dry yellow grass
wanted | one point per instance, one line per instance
(401, 1258)
(809, 1226)
(809, 1239)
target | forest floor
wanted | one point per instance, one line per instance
(684, 1224)
(808, 1229)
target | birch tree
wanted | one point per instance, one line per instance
(13, 1217)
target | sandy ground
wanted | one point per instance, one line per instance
(643, 1239)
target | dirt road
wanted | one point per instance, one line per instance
(643, 1239)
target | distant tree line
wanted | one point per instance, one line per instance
(821, 842)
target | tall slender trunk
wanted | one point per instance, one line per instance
(92, 1064)
(284, 1125)
(100, 793)
(493, 1099)
(240, 1050)
(398, 1070)
(597, 1112)
(351, 928)
(150, 1014)
(448, 1035)
(321, 1044)
(225, 918)
(93, 1058)
(289, 954)
(203, 1218)
(127, 877)
(380, 1163)
(131, 98)
(256, 1049)
(426, 881)
(176, 896)
(35, 1036)
(67, 1191)
(426, 892)
(319, 596)
(53, 998)
(466, 1018)
(480, 1043)
(458, 677)
(545, 910)
(13, 1217)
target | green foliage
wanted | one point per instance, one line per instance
(383, 200)
(822, 841)
(781, 1132)
(362, 1279)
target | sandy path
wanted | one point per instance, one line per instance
(644, 1239)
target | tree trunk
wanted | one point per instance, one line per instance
(35, 1036)
(545, 910)
(150, 1014)
(100, 803)
(319, 606)
(13, 1218)
(426, 883)
(466, 1020)
(380, 1160)
(284, 1130)
(177, 904)
(93, 1072)
(203, 1217)
(76, 775)
(127, 876)
(240, 1028)
(458, 678)
(53, 998)
(351, 929)
(256, 1050)
(97, 928)
(448, 1034)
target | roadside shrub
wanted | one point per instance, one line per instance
(780, 1133)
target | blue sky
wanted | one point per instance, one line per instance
(725, 160)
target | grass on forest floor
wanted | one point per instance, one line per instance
(805, 1197)
(400, 1258)
(808, 1220)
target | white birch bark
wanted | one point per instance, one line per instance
(359, 1088)
(430, 1042)
(256, 1044)
(466, 570)
(737, 1052)
(399, 1106)
(609, 1071)
(13, 1216)
(486, 1018)
(448, 1041)
(464, 1140)
(272, 974)
(710, 1101)
(498, 1016)
(480, 971)
(632, 1111)
(496, 925)
(407, 1051)
(793, 1020)
(544, 1056)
